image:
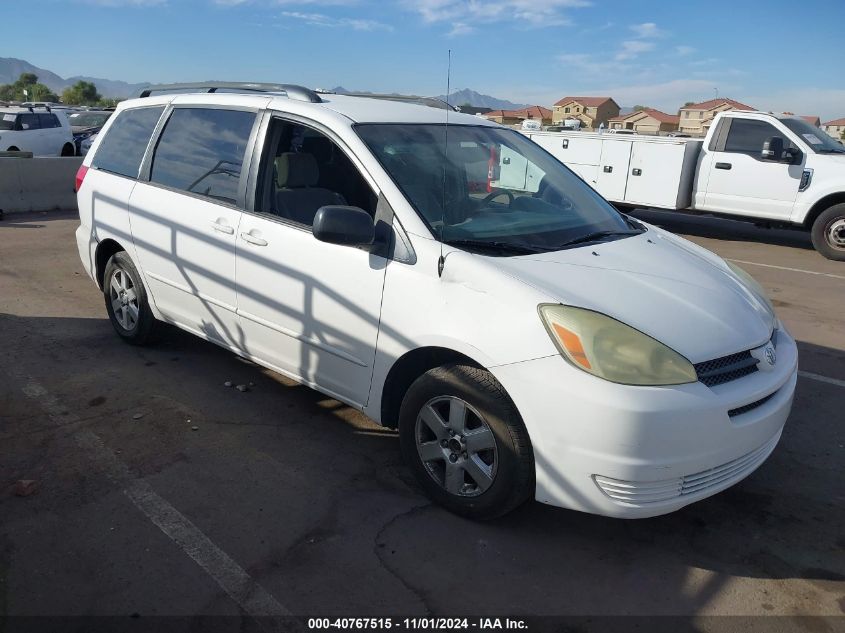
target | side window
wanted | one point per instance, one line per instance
(48, 121)
(201, 150)
(28, 122)
(746, 136)
(122, 150)
(304, 170)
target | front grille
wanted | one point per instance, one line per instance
(646, 492)
(750, 406)
(725, 369)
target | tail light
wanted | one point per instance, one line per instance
(80, 176)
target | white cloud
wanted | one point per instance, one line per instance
(320, 19)
(646, 30)
(633, 48)
(684, 50)
(465, 15)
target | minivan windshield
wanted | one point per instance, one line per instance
(815, 137)
(491, 188)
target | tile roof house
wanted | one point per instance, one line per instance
(697, 117)
(645, 121)
(591, 111)
(812, 120)
(835, 128)
(514, 117)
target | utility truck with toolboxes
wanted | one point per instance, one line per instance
(777, 170)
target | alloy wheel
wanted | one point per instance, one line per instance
(124, 299)
(456, 446)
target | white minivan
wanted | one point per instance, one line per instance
(523, 344)
(43, 132)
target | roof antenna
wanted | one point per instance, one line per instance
(441, 262)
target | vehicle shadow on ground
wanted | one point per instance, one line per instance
(783, 522)
(723, 229)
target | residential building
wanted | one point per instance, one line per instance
(645, 121)
(812, 120)
(835, 128)
(591, 111)
(696, 118)
(516, 117)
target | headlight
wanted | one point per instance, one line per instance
(755, 288)
(609, 349)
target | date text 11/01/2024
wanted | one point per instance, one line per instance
(411, 624)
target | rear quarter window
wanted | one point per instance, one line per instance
(201, 151)
(122, 149)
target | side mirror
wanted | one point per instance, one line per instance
(347, 226)
(772, 149)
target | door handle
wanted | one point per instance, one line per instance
(222, 228)
(723, 165)
(247, 237)
(608, 169)
(636, 171)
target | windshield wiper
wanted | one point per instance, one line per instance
(597, 235)
(831, 150)
(522, 249)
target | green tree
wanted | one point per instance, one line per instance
(34, 90)
(637, 108)
(81, 93)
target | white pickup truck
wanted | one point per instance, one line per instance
(756, 166)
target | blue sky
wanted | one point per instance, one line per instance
(773, 55)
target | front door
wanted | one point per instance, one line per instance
(185, 219)
(309, 309)
(742, 183)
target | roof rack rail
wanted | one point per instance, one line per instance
(431, 102)
(300, 93)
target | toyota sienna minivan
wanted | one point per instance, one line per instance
(526, 339)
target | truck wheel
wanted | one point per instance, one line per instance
(828, 233)
(126, 300)
(13, 149)
(68, 150)
(465, 442)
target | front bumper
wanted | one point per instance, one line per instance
(625, 451)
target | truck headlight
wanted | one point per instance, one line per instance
(609, 349)
(755, 288)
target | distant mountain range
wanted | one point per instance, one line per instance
(11, 69)
(459, 98)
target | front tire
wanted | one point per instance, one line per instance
(828, 233)
(126, 300)
(465, 442)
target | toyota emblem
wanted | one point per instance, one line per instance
(771, 355)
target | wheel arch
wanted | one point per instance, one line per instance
(407, 369)
(822, 205)
(105, 250)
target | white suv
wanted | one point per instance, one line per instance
(43, 132)
(524, 344)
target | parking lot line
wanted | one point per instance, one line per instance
(246, 592)
(820, 378)
(794, 270)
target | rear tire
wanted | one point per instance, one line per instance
(465, 442)
(828, 233)
(68, 150)
(126, 301)
(13, 149)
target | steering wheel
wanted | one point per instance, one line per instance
(496, 193)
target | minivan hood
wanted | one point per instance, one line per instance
(660, 284)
